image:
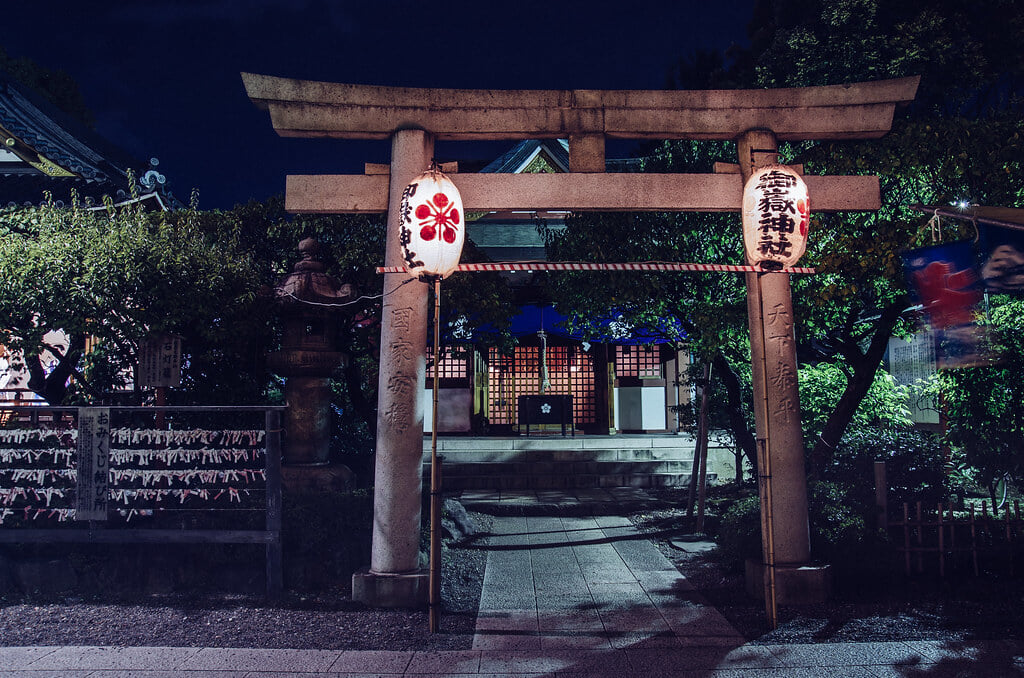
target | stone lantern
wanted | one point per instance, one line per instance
(311, 305)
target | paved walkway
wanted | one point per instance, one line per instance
(563, 596)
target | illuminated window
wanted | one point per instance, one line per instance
(454, 363)
(570, 372)
(637, 361)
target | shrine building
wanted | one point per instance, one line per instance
(628, 384)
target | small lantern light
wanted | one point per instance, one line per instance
(775, 217)
(432, 228)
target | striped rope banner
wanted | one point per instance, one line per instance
(580, 266)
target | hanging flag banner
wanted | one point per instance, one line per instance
(1002, 259)
(948, 287)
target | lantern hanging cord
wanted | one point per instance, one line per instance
(354, 301)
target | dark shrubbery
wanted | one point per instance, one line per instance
(841, 498)
(739, 533)
(914, 463)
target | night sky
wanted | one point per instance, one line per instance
(162, 76)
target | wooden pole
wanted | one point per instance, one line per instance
(702, 447)
(881, 496)
(942, 544)
(435, 476)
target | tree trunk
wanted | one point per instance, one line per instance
(53, 387)
(734, 410)
(865, 365)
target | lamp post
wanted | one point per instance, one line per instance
(431, 232)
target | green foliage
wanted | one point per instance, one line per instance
(821, 385)
(840, 533)
(964, 51)
(56, 86)
(837, 525)
(915, 466)
(984, 406)
(121, 275)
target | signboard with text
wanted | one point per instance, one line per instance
(160, 362)
(93, 482)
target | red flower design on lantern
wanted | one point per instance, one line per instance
(438, 214)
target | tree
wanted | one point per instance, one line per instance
(960, 140)
(116, 276)
(353, 246)
(55, 86)
(984, 406)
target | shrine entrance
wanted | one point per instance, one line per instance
(414, 118)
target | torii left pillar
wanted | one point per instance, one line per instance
(395, 578)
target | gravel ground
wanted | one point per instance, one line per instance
(330, 621)
(956, 609)
(982, 608)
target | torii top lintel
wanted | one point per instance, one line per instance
(303, 108)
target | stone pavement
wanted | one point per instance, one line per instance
(563, 596)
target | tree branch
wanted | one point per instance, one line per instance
(864, 368)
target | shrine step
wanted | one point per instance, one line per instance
(563, 463)
(563, 482)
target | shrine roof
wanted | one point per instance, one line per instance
(44, 149)
(519, 156)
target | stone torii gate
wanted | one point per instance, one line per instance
(414, 118)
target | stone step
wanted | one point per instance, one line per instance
(563, 475)
(559, 463)
(562, 482)
(500, 455)
(564, 468)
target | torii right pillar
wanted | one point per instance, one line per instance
(785, 576)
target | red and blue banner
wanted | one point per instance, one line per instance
(946, 284)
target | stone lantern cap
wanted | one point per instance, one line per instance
(307, 284)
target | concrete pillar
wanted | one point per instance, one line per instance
(776, 397)
(394, 578)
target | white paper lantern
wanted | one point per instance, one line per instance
(776, 212)
(432, 228)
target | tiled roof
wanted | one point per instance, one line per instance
(521, 153)
(558, 150)
(58, 137)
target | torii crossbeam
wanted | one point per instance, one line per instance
(414, 118)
